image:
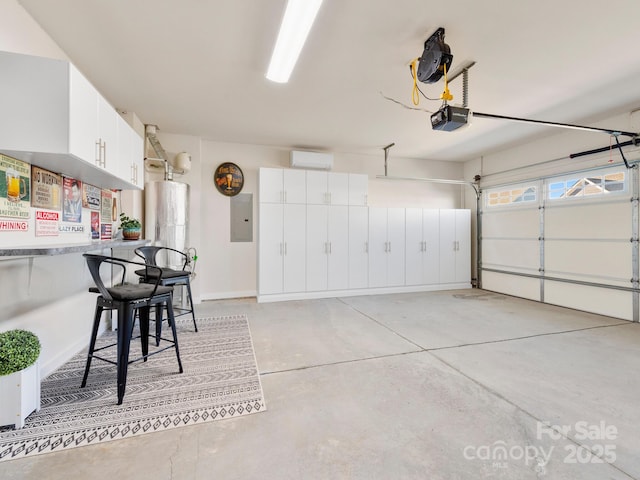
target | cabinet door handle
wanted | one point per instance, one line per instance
(366, 247)
(285, 248)
(98, 151)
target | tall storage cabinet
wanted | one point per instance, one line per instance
(455, 246)
(386, 247)
(318, 238)
(358, 247)
(281, 231)
(327, 247)
(422, 246)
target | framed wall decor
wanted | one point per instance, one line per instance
(229, 179)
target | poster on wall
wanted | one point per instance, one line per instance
(91, 197)
(105, 231)
(15, 187)
(71, 200)
(47, 223)
(106, 206)
(95, 225)
(46, 188)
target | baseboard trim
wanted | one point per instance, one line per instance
(227, 295)
(281, 297)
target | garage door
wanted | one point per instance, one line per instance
(569, 240)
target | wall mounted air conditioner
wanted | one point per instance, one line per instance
(317, 160)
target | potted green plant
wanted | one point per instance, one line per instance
(19, 376)
(131, 227)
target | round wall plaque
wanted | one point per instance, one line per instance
(229, 179)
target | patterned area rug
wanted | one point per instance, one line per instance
(220, 380)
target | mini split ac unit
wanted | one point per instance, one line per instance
(317, 160)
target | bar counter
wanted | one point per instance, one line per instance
(64, 248)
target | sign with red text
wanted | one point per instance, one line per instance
(47, 223)
(8, 225)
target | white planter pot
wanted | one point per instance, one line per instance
(19, 395)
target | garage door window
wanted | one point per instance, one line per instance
(600, 184)
(515, 195)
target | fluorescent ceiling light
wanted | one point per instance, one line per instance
(296, 24)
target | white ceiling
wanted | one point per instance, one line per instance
(198, 67)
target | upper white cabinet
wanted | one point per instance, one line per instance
(358, 189)
(327, 188)
(130, 155)
(54, 118)
(277, 185)
(455, 246)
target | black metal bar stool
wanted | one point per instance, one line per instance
(128, 299)
(167, 277)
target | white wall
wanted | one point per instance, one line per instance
(47, 295)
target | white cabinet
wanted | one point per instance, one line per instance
(358, 189)
(422, 246)
(107, 135)
(54, 118)
(358, 247)
(386, 247)
(327, 188)
(83, 118)
(281, 248)
(327, 247)
(455, 246)
(130, 155)
(277, 185)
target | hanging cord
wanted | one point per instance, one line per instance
(610, 149)
(415, 92)
(446, 94)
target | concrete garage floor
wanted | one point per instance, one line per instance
(442, 385)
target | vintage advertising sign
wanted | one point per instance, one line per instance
(229, 179)
(106, 207)
(47, 223)
(46, 189)
(72, 200)
(91, 197)
(8, 225)
(15, 188)
(95, 225)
